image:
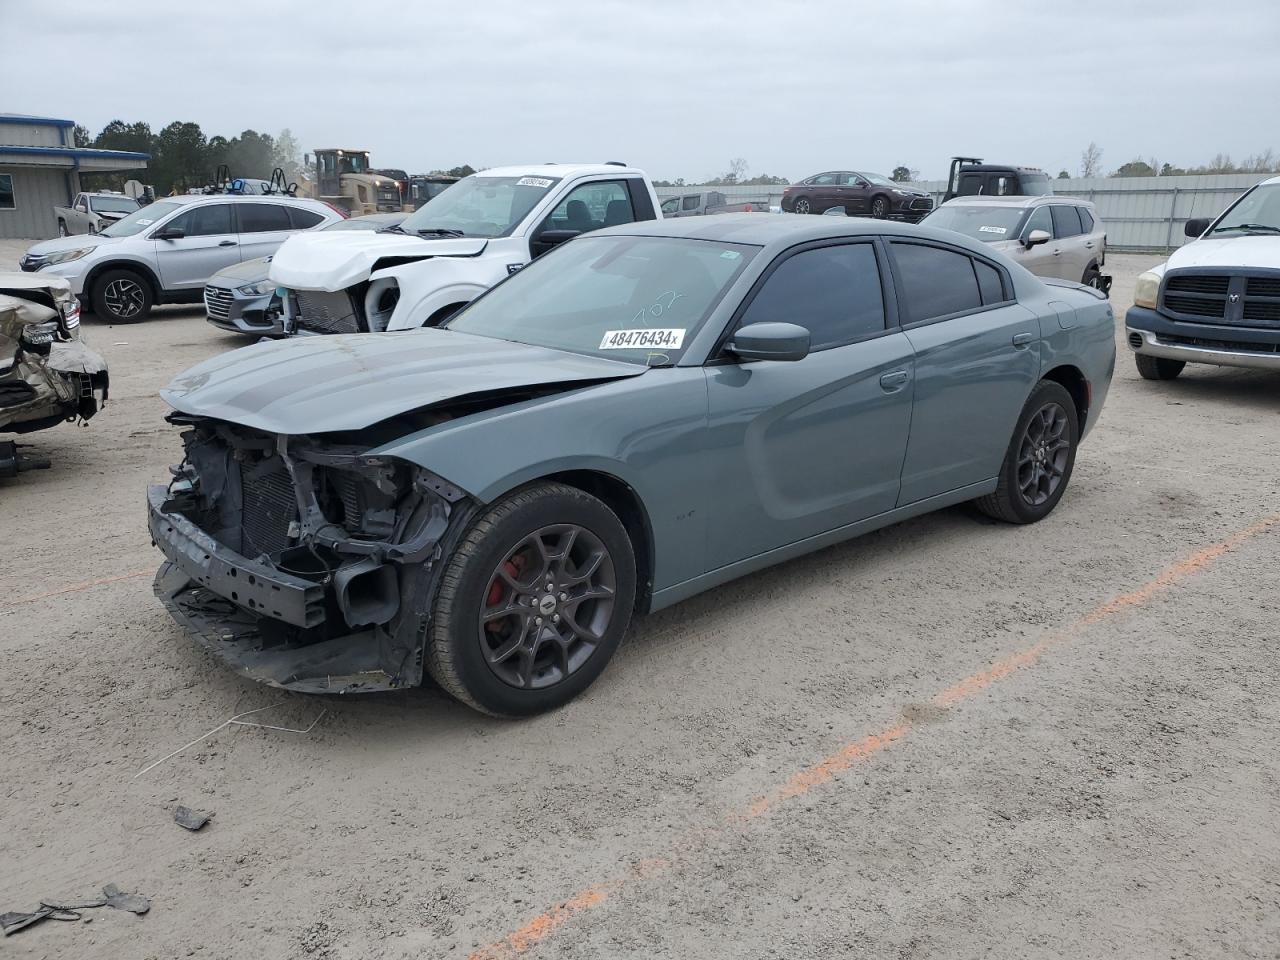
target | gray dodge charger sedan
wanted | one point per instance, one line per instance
(641, 415)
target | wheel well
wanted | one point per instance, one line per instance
(444, 313)
(1075, 384)
(623, 501)
(140, 269)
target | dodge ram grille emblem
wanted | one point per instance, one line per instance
(1234, 298)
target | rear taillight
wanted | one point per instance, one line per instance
(748, 208)
(338, 210)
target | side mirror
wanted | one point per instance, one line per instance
(769, 341)
(82, 207)
(170, 233)
(1035, 238)
(1195, 228)
(548, 239)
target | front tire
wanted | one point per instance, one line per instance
(1038, 464)
(533, 603)
(121, 296)
(1157, 368)
(880, 208)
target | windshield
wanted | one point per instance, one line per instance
(140, 219)
(1258, 211)
(112, 204)
(981, 221)
(637, 299)
(1036, 184)
(480, 206)
(882, 181)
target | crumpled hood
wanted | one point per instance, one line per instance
(111, 214)
(70, 243)
(1238, 251)
(350, 381)
(250, 271)
(333, 261)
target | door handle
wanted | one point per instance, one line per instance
(1089, 244)
(1058, 252)
(1022, 339)
(894, 379)
(227, 243)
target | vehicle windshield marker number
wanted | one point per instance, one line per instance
(669, 338)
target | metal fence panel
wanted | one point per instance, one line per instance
(1139, 213)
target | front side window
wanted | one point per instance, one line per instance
(592, 206)
(690, 203)
(141, 219)
(671, 206)
(479, 206)
(636, 299)
(833, 292)
(878, 180)
(934, 282)
(207, 221)
(263, 217)
(1066, 222)
(1039, 220)
(7, 199)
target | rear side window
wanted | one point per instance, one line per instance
(1066, 222)
(1086, 219)
(207, 221)
(989, 284)
(934, 282)
(263, 217)
(302, 219)
(833, 292)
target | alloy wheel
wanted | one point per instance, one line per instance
(547, 607)
(1043, 453)
(124, 298)
(879, 208)
(802, 205)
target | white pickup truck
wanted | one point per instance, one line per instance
(93, 212)
(454, 248)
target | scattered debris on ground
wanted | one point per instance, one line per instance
(112, 896)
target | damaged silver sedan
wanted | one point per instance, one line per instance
(643, 414)
(48, 375)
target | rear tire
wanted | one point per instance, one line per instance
(1157, 368)
(1038, 464)
(802, 206)
(121, 296)
(497, 639)
(1092, 277)
(62, 229)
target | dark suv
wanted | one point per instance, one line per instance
(859, 195)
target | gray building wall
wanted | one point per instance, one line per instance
(36, 191)
(33, 135)
(1140, 213)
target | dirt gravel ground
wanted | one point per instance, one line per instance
(948, 739)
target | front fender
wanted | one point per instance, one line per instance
(410, 316)
(649, 431)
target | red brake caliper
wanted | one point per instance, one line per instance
(496, 587)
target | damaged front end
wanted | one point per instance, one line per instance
(303, 561)
(48, 375)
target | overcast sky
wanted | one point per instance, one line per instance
(677, 88)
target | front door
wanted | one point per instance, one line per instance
(808, 446)
(857, 195)
(1040, 259)
(976, 360)
(208, 245)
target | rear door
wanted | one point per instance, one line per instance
(808, 446)
(1072, 256)
(976, 358)
(208, 245)
(263, 227)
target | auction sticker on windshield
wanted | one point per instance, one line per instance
(1000, 230)
(669, 339)
(534, 182)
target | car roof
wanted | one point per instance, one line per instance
(560, 170)
(1017, 201)
(188, 198)
(781, 230)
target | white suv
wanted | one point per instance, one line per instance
(166, 251)
(1050, 236)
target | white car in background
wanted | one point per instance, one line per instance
(93, 212)
(166, 251)
(1051, 236)
(452, 249)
